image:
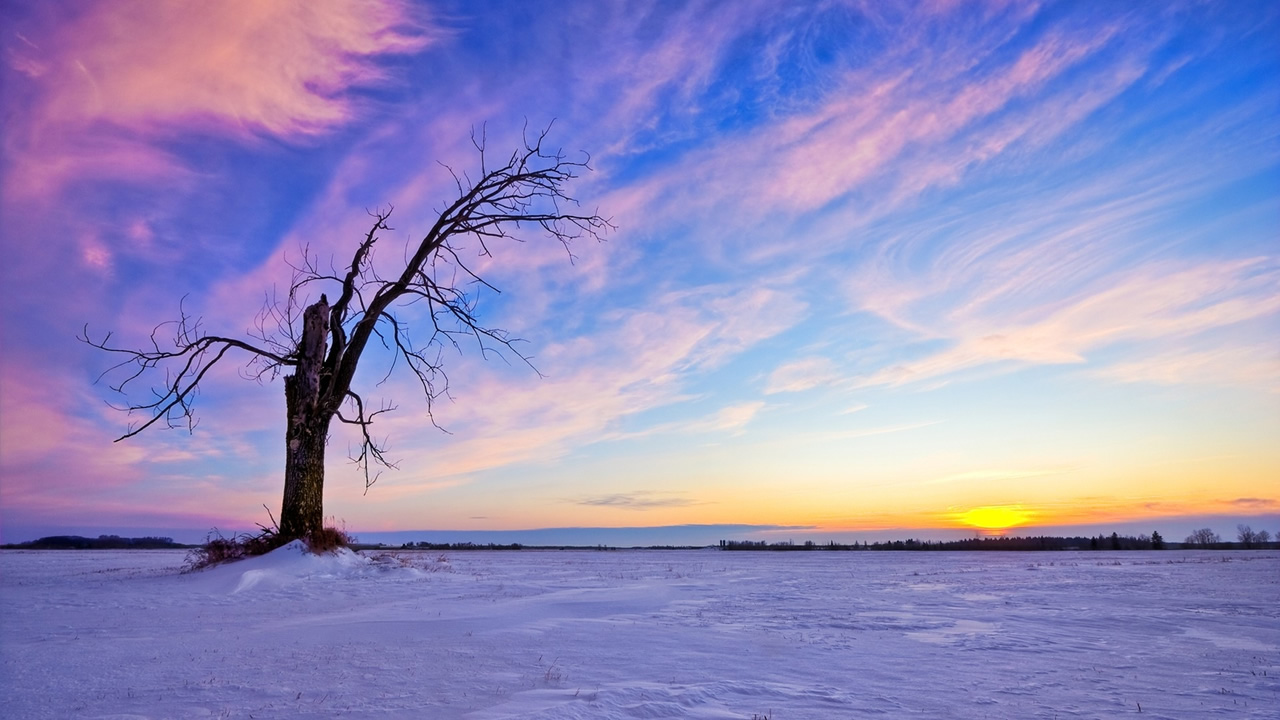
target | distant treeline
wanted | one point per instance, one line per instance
(459, 546)
(102, 542)
(517, 546)
(1101, 542)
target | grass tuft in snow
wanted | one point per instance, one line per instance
(219, 549)
(327, 540)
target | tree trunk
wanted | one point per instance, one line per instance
(302, 510)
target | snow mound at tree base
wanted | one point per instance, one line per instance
(286, 565)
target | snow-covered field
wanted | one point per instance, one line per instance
(642, 634)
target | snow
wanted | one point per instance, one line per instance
(641, 634)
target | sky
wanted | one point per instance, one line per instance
(879, 269)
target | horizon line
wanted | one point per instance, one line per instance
(691, 534)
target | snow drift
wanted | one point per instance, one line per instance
(645, 634)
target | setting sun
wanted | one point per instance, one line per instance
(996, 518)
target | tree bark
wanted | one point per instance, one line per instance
(307, 433)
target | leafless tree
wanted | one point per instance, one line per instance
(318, 345)
(1204, 537)
(1263, 538)
(1247, 537)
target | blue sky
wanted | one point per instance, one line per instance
(875, 264)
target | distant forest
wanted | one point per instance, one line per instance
(102, 542)
(1114, 541)
(1201, 539)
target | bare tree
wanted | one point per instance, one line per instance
(1204, 537)
(1248, 538)
(1263, 538)
(320, 347)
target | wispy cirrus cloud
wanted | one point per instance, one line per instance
(117, 150)
(56, 435)
(592, 383)
(982, 476)
(108, 89)
(921, 127)
(802, 374)
(638, 500)
(822, 437)
(1255, 503)
(896, 119)
(732, 419)
(1150, 303)
(1244, 365)
(824, 208)
(924, 126)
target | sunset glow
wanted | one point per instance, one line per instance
(880, 269)
(998, 519)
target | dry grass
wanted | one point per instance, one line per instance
(327, 540)
(219, 549)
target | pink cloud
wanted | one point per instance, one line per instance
(591, 384)
(1245, 366)
(130, 71)
(802, 374)
(644, 85)
(879, 118)
(732, 419)
(58, 463)
(33, 422)
(1155, 302)
(46, 449)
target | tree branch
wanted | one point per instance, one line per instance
(525, 194)
(186, 365)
